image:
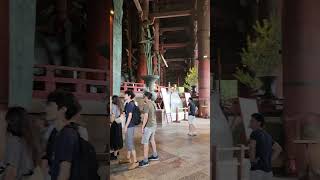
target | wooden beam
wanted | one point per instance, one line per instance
(172, 29)
(176, 60)
(138, 6)
(175, 45)
(171, 14)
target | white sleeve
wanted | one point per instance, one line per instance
(83, 133)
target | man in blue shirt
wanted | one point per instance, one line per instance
(62, 152)
(262, 150)
(129, 130)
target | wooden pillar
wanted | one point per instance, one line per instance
(203, 15)
(4, 53)
(129, 10)
(301, 72)
(98, 33)
(195, 38)
(142, 67)
(4, 66)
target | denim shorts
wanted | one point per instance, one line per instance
(130, 138)
(191, 119)
(148, 133)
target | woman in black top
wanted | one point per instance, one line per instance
(116, 141)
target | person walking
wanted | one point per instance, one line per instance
(148, 130)
(192, 117)
(262, 149)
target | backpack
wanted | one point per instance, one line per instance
(136, 115)
(88, 165)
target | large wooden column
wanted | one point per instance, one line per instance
(4, 53)
(21, 47)
(4, 66)
(142, 67)
(195, 38)
(301, 42)
(98, 33)
(203, 9)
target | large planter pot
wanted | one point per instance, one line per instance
(193, 91)
(150, 84)
(267, 82)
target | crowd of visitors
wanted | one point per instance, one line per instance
(57, 147)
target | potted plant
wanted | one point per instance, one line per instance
(261, 57)
(191, 80)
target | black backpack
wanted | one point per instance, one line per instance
(88, 165)
(136, 115)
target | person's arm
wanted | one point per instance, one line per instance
(10, 173)
(145, 120)
(276, 150)
(252, 150)
(112, 118)
(129, 119)
(65, 168)
(130, 107)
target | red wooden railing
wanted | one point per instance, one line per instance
(79, 81)
(138, 87)
(135, 87)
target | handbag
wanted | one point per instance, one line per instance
(119, 120)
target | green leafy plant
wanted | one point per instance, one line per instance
(248, 80)
(191, 79)
(262, 54)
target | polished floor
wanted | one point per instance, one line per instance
(181, 157)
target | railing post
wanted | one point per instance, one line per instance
(213, 162)
(241, 158)
(81, 88)
(82, 75)
(50, 83)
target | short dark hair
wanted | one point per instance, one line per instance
(65, 99)
(148, 94)
(258, 117)
(130, 93)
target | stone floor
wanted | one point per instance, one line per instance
(181, 157)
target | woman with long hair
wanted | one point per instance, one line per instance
(116, 141)
(22, 150)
